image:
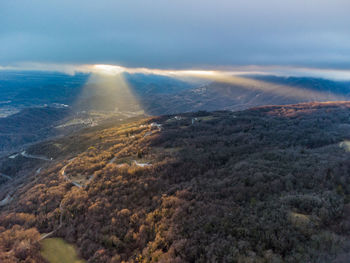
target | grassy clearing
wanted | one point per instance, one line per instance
(56, 250)
(207, 118)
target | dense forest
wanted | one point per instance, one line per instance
(269, 184)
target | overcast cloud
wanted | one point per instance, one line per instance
(176, 34)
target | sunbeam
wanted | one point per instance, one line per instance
(253, 84)
(233, 78)
(107, 90)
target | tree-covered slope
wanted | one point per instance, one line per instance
(269, 184)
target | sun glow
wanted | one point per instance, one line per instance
(198, 73)
(234, 78)
(108, 69)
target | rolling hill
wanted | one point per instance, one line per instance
(268, 184)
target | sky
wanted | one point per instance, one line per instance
(177, 34)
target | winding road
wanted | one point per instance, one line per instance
(39, 157)
(59, 226)
(6, 200)
(63, 173)
(6, 176)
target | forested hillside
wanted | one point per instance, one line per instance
(269, 184)
(30, 125)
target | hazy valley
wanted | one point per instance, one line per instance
(40, 105)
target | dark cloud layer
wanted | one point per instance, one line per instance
(181, 33)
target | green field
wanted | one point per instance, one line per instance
(56, 250)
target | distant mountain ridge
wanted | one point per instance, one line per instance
(161, 94)
(89, 103)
